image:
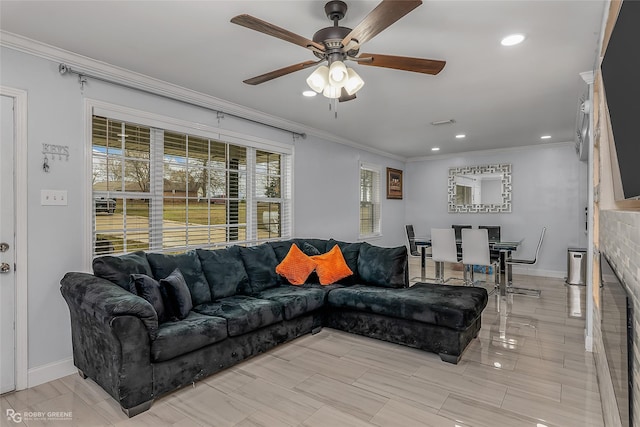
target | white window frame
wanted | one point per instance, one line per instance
(153, 120)
(377, 196)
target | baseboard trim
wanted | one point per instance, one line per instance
(527, 271)
(50, 371)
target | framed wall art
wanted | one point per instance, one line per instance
(394, 183)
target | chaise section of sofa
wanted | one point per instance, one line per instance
(432, 317)
(237, 306)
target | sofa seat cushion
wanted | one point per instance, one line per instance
(455, 307)
(182, 336)
(243, 313)
(295, 300)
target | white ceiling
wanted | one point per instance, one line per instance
(499, 96)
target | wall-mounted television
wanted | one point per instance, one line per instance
(621, 76)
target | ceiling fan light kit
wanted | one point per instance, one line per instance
(337, 44)
(354, 83)
(319, 78)
(332, 92)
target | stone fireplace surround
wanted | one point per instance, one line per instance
(620, 241)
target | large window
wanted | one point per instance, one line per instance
(369, 200)
(162, 190)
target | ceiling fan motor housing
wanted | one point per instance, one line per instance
(331, 37)
(335, 10)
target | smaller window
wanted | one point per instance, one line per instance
(369, 200)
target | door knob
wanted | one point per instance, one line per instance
(5, 268)
(4, 247)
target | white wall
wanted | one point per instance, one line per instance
(327, 190)
(326, 193)
(548, 191)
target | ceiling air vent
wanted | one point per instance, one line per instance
(443, 122)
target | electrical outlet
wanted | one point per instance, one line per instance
(53, 197)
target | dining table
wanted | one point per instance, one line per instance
(504, 247)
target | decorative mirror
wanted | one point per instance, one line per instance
(480, 189)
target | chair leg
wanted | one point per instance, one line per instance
(519, 291)
(439, 265)
(468, 275)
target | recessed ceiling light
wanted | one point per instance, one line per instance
(545, 137)
(435, 149)
(460, 135)
(512, 39)
(309, 93)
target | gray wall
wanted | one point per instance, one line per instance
(548, 191)
(325, 195)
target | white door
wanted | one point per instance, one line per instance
(7, 248)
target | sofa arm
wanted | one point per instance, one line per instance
(106, 300)
(111, 332)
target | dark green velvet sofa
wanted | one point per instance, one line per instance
(241, 308)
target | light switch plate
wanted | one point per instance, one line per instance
(53, 197)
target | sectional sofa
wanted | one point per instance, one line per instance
(237, 306)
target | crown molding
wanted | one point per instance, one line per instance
(143, 82)
(491, 151)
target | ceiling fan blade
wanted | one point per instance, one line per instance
(344, 96)
(275, 31)
(417, 65)
(385, 14)
(281, 72)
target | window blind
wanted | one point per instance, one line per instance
(162, 190)
(369, 200)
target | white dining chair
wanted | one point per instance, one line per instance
(443, 249)
(475, 251)
(513, 261)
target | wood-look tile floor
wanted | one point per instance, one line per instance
(528, 367)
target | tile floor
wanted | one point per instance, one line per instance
(527, 368)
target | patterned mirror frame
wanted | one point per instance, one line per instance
(505, 206)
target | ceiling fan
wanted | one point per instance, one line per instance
(337, 44)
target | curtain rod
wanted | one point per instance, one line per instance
(65, 69)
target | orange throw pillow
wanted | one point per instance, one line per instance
(331, 266)
(296, 266)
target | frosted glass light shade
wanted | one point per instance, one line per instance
(354, 82)
(338, 75)
(319, 78)
(332, 92)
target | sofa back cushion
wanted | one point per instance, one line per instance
(260, 263)
(189, 264)
(224, 271)
(118, 269)
(281, 248)
(308, 246)
(386, 267)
